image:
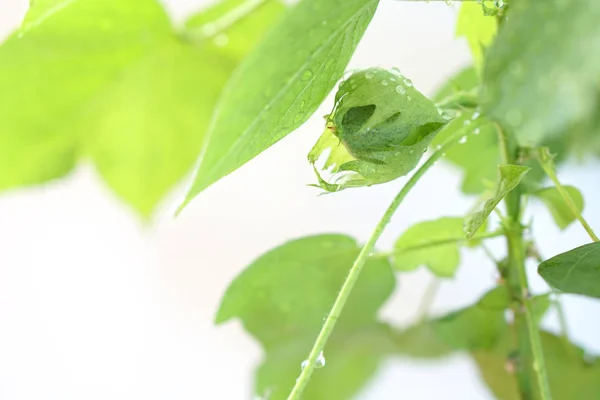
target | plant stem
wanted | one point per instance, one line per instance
(547, 164)
(531, 355)
(356, 268)
(212, 29)
(441, 242)
(428, 298)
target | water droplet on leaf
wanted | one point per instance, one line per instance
(385, 82)
(369, 75)
(306, 75)
(463, 140)
(400, 89)
(407, 82)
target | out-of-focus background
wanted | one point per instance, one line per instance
(97, 304)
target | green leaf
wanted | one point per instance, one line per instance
(541, 78)
(282, 298)
(378, 130)
(423, 244)
(279, 85)
(540, 305)
(111, 82)
(421, 341)
(477, 28)
(510, 177)
(575, 271)
(562, 214)
(570, 375)
(477, 327)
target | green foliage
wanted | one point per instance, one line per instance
(434, 244)
(478, 28)
(282, 299)
(111, 82)
(575, 271)
(280, 84)
(378, 130)
(533, 52)
(510, 177)
(562, 214)
(570, 375)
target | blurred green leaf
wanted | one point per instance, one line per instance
(562, 214)
(378, 130)
(570, 375)
(541, 78)
(477, 28)
(477, 327)
(423, 244)
(282, 298)
(540, 305)
(109, 81)
(510, 177)
(575, 271)
(421, 341)
(281, 83)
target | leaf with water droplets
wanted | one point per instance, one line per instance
(541, 77)
(510, 177)
(376, 132)
(477, 28)
(261, 103)
(570, 374)
(282, 298)
(575, 271)
(562, 214)
(434, 244)
(110, 81)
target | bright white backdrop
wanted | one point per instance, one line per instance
(96, 305)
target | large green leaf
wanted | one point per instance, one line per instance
(510, 177)
(281, 83)
(575, 271)
(562, 214)
(540, 76)
(434, 244)
(479, 29)
(282, 298)
(378, 130)
(110, 81)
(570, 375)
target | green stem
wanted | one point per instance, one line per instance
(428, 298)
(531, 355)
(356, 268)
(547, 164)
(212, 29)
(441, 242)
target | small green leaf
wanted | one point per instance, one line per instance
(378, 130)
(282, 298)
(421, 341)
(575, 271)
(108, 81)
(541, 78)
(510, 177)
(419, 245)
(477, 327)
(279, 85)
(562, 214)
(569, 374)
(540, 305)
(478, 28)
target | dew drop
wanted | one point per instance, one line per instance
(221, 40)
(477, 131)
(499, 3)
(408, 98)
(304, 364)
(438, 147)
(396, 71)
(476, 115)
(467, 122)
(411, 151)
(407, 82)
(400, 89)
(369, 75)
(385, 82)
(463, 140)
(306, 75)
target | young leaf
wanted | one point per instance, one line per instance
(107, 80)
(575, 271)
(562, 214)
(281, 83)
(282, 298)
(378, 130)
(479, 29)
(412, 250)
(477, 327)
(510, 177)
(541, 78)
(570, 375)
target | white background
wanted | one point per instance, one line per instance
(94, 304)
